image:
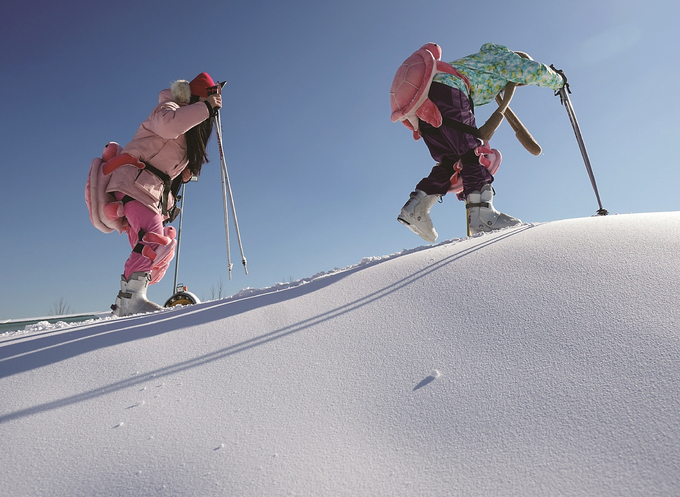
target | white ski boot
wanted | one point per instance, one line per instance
(482, 216)
(132, 296)
(415, 215)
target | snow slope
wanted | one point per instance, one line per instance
(541, 360)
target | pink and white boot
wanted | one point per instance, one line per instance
(132, 296)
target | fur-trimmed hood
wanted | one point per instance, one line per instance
(181, 91)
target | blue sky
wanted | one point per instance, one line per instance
(318, 171)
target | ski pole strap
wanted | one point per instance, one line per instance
(565, 86)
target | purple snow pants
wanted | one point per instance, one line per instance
(447, 145)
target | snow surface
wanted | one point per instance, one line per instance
(540, 360)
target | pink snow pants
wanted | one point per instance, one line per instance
(140, 217)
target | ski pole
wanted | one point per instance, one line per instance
(224, 198)
(226, 192)
(564, 100)
(180, 200)
(179, 237)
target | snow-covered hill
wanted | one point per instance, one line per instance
(541, 360)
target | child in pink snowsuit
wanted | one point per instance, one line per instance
(169, 147)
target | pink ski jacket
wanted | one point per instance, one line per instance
(160, 142)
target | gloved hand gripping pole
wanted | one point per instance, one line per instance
(227, 193)
(563, 93)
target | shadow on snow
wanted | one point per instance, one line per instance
(31, 354)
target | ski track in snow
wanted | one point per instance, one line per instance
(246, 293)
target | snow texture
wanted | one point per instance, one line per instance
(539, 360)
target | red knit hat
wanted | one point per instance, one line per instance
(200, 84)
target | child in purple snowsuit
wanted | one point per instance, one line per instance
(480, 77)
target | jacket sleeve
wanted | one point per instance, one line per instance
(510, 66)
(169, 120)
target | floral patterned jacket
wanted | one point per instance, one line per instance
(489, 70)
